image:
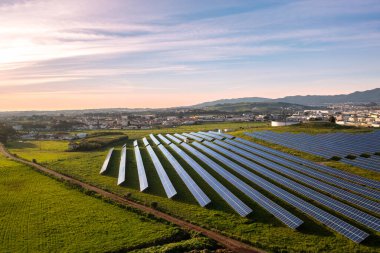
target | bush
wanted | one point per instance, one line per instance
(34, 160)
(128, 195)
(365, 155)
(335, 158)
(154, 205)
(352, 157)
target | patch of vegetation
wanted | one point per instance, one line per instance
(351, 157)
(97, 141)
(256, 107)
(191, 245)
(39, 214)
(6, 132)
(335, 158)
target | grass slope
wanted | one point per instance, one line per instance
(39, 214)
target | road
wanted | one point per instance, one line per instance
(227, 242)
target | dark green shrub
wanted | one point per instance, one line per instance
(154, 205)
(335, 158)
(352, 157)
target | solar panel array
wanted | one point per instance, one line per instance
(371, 163)
(253, 162)
(106, 161)
(176, 140)
(233, 201)
(360, 216)
(213, 135)
(303, 169)
(140, 167)
(165, 181)
(123, 160)
(337, 192)
(164, 139)
(283, 215)
(179, 136)
(322, 216)
(320, 167)
(203, 136)
(330, 145)
(195, 190)
(191, 136)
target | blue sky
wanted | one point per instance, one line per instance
(78, 54)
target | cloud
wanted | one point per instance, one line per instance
(64, 47)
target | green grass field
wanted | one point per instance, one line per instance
(40, 214)
(259, 229)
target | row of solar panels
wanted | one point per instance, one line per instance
(239, 151)
(324, 217)
(342, 146)
(328, 145)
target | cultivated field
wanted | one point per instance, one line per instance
(40, 214)
(259, 229)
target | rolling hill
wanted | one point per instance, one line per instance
(355, 97)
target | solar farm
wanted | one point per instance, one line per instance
(343, 202)
(355, 149)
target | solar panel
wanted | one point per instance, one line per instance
(334, 191)
(322, 216)
(179, 136)
(164, 139)
(233, 201)
(213, 135)
(166, 183)
(140, 168)
(123, 159)
(286, 217)
(191, 136)
(203, 136)
(176, 140)
(106, 161)
(223, 134)
(154, 139)
(195, 190)
(342, 174)
(319, 175)
(145, 141)
(351, 212)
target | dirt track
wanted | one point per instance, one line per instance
(229, 243)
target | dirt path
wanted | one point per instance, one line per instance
(229, 243)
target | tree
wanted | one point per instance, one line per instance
(6, 132)
(332, 119)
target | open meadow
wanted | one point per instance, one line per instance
(260, 228)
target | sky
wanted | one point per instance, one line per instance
(80, 54)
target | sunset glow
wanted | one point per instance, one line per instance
(77, 54)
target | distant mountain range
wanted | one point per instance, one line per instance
(312, 100)
(257, 107)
